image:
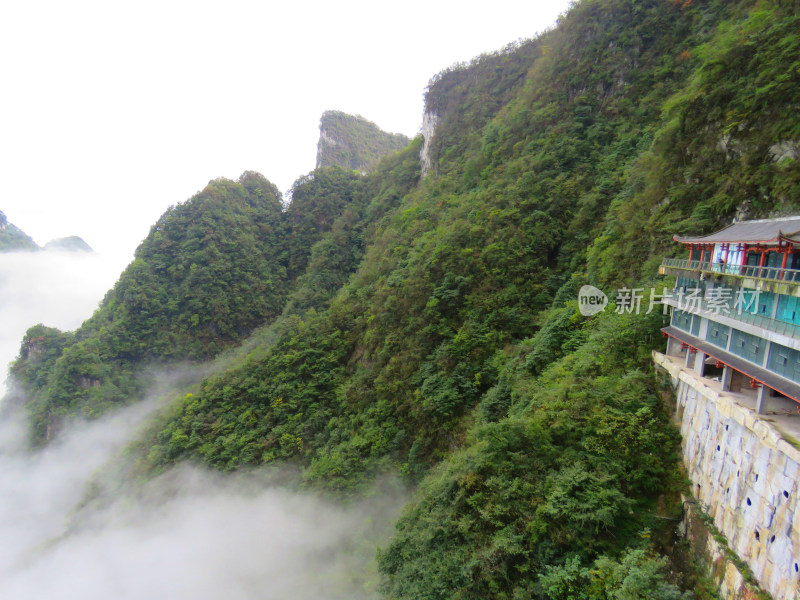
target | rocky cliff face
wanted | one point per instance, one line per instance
(429, 121)
(352, 142)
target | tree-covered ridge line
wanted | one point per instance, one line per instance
(211, 271)
(352, 142)
(429, 327)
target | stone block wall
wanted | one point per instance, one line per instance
(745, 476)
(721, 562)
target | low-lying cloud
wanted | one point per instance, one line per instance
(186, 535)
(71, 529)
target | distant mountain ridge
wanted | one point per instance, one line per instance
(353, 142)
(73, 243)
(12, 238)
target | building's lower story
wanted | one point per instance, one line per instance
(743, 363)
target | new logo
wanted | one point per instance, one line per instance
(591, 300)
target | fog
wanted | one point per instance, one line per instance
(71, 525)
(188, 534)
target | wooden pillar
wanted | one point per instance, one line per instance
(689, 357)
(762, 262)
(783, 262)
(743, 262)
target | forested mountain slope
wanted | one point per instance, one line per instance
(210, 271)
(429, 326)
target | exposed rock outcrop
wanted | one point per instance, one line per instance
(429, 122)
(353, 142)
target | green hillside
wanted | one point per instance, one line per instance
(13, 238)
(353, 142)
(200, 282)
(209, 273)
(429, 326)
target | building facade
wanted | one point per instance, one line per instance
(733, 351)
(736, 307)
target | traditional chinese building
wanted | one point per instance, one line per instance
(736, 307)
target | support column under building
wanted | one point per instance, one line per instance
(700, 363)
(761, 400)
(727, 377)
(689, 357)
(671, 344)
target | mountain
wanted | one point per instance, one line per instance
(422, 319)
(72, 243)
(199, 283)
(352, 142)
(13, 238)
(209, 273)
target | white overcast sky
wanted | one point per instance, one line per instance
(111, 111)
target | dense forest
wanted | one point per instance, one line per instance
(428, 326)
